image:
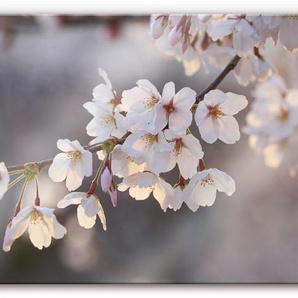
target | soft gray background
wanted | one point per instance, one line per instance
(47, 72)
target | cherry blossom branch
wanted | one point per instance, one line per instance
(232, 64)
(47, 162)
(94, 148)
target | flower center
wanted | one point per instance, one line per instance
(215, 112)
(150, 102)
(149, 139)
(283, 115)
(74, 156)
(106, 120)
(130, 159)
(207, 181)
(169, 107)
(35, 217)
(178, 147)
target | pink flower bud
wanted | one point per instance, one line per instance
(175, 35)
(106, 179)
(113, 193)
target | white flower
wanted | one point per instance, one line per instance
(186, 152)
(139, 104)
(89, 207)
(214, 116)
(288, 32)
(174, 109)
(41, 223)
(72, 165)
(124, 165)
(142, 184)
(4, 179)
(203, 186)
(154, 149)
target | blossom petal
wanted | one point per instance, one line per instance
(223, 182)
(233, 104)
(180, 120)
(59, 168)
(214, 98)
(168, 92)
(84, 220)
(71, 198)
(228, 129)
(184, 99)
(91, 206)
(209, 130)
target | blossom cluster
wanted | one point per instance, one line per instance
(272, 123)
(204, 39)
(138, 136)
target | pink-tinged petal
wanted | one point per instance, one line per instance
(177, 199)
(87, 163)
(175, 35)
(91, 206)
(133, 99)
(187, 163)
(102, 219)
(168, 92)
(184, 99)
(209, 130)
(106, 179)
(55, 229)
(84, 220)
(233, 104)
(103, 94)
(59, 168)
(202, 113)
(156, 26)
(159, 162)
(39, 235)
(228, 129)
(159, 120)
(180, 120)
(64, 145)
(214, 98)
(163, 193)
(223, 182)
(71, 198)
(113, 196)
(74, 179)
(149, 87)
(104, 75)
(194, 145)
(205, 196)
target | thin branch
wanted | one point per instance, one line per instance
(232, 64)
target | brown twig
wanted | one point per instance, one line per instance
(232, 64)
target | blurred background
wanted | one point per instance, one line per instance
(48, 69)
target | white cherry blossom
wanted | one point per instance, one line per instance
(158, 23)
(203, 186)
(174, 108)
(89, 207)
(186, 152)
(4, 179)
(124, 165)
(154, 149)
(72, 165)
(214, 116)
(41, 223)
(141, 185)
(139, 103)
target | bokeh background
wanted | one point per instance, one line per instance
(48, 69)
